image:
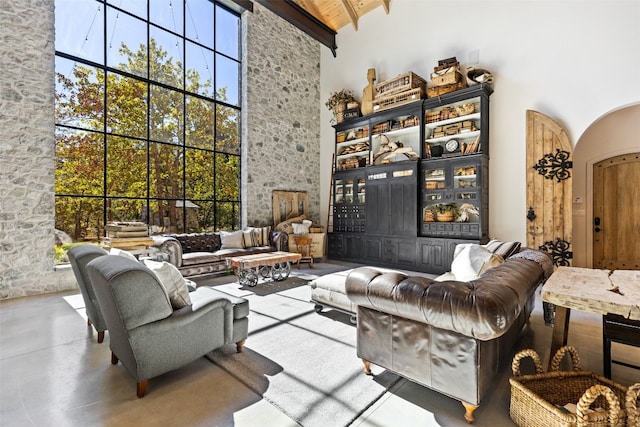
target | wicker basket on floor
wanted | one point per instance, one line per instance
(539, 399)
(633, 411)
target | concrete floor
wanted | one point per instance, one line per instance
(54, 373)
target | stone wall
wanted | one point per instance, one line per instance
(27, 147)
(280, 134)
(281, 115)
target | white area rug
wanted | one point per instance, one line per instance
(303, 362)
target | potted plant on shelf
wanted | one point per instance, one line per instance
(445, 212)
(337, 103)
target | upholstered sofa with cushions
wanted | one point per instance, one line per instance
(451, 336)
(203, 253)
(329, 291)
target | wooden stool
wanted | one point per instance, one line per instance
(303, 247)
(617, 328)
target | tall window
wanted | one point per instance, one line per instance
(147, 115)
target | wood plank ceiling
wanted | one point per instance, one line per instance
(320, 19)
(337, 14)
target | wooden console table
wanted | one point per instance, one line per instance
(595, 291)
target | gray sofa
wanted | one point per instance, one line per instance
(203, 253)
(450, 336)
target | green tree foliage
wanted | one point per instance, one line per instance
(159, 144)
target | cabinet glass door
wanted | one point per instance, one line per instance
(434, 179)
(466, 190)
(339, 188)
(348, 191)
(361, 191)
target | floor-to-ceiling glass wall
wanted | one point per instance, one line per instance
(147, 115)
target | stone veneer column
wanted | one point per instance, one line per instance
(280, 114)
(27, 146)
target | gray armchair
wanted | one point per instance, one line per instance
(146, 334)
(79, 257)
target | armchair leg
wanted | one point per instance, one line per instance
(141, 388)
(100, 336)
(469, 410)
(240, 346)
(367, 367)
(114, 358)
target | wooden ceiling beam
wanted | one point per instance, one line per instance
(385, 4)
(302, 19)
(351, 13)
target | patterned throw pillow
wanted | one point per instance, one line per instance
(172, 280)
(256, 236)
(504, 249)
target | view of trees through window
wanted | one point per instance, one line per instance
(147, 115)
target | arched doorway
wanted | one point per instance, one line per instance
(612, 135)
(616, 212)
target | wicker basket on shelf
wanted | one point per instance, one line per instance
(444, 216)
(541, 399)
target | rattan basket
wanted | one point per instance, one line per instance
(538, 400)
(631, 405)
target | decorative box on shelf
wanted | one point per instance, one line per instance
(397, 99)
(402, 83)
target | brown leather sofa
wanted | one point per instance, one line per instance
(200, 253)
(450, 336)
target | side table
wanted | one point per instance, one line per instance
(591, 290)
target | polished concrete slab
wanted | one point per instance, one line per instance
(54, 373)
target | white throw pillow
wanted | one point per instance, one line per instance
(301, 228)
(173, 282)
(232, 239)
(120, 252)
(471, 260)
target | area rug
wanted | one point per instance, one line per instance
(302, 362)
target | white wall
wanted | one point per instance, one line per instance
(571, 60)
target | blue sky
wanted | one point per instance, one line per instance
(80, 31)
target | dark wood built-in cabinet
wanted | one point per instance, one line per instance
(397, 170)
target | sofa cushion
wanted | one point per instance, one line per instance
(232, 239)
(471, 260)
(173, 282)
(193, 258)
(240, 305)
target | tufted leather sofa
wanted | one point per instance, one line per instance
(199, 253)
(450, 336)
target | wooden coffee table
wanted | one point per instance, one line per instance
(274, 264)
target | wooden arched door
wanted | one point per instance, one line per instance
(549, 188)
(616, 213)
